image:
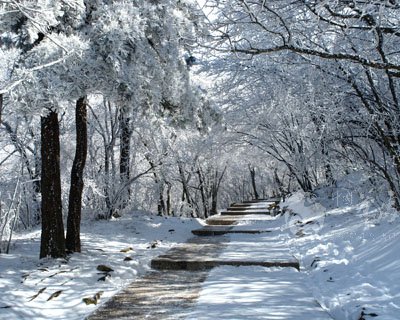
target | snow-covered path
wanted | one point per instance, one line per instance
(256, 293)
(245, 282)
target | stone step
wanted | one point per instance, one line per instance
(202, 253)
(233, 219)
(221, 222)
(168, 263)
(252, 203)
(249, 208)
(276, 200)
(217, 231)
(166, 295)
(244, 212)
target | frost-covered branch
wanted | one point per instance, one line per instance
(326, 55)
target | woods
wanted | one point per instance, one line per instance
(174, 96)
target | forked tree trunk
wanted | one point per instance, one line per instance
(52, 238)
(185, 188)
(253, 181)
(73, 241)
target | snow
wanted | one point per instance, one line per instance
(351, 258)
(348, 253)
(348, 249)
(256, 293)
(23, 275)
(243, 247)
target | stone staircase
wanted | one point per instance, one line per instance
(266, 206)
(185, 266)
(202, 252)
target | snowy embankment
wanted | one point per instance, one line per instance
(55, 289)
(350, 249)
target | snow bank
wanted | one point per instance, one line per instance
(353, 256)
(54, 289)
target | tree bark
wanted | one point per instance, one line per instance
(169, 186)
(161, 203)
(1, 108)
(253, 181)
(215, 190)
(185, 187)
(52, 238)
(73, 241)
(203, 192)
(124, 164)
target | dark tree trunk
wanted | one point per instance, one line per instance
(107, 191)
(169, 186)
(161, 203)
(215, 189)
(185, 188)
(203, 192)
(124, 164)
(1, 107)
(52, 239)
(73, 241)
(253, 181)
(214, 200)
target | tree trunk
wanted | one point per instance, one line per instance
(214, 200)
(124, 164)
(253, 181)
(215, 190)
(161, 203)
(185, 188)
(203, 192)
(52, 238)
(1, 108)
(73, 241)
(169, 186)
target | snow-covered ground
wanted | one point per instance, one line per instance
(348, 246)
(29, 286)
(350, 250)
(234, 293)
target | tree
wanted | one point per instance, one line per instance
(352, 43)
(52, 239)
(73, 242)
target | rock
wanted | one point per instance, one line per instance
(104, 268)
(94, 299)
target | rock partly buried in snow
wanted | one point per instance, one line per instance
(93, 300)
(128, 259)
(104, 268)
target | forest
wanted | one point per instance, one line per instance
(182, 107)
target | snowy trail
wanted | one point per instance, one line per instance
(256, 293)
(243, 280)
